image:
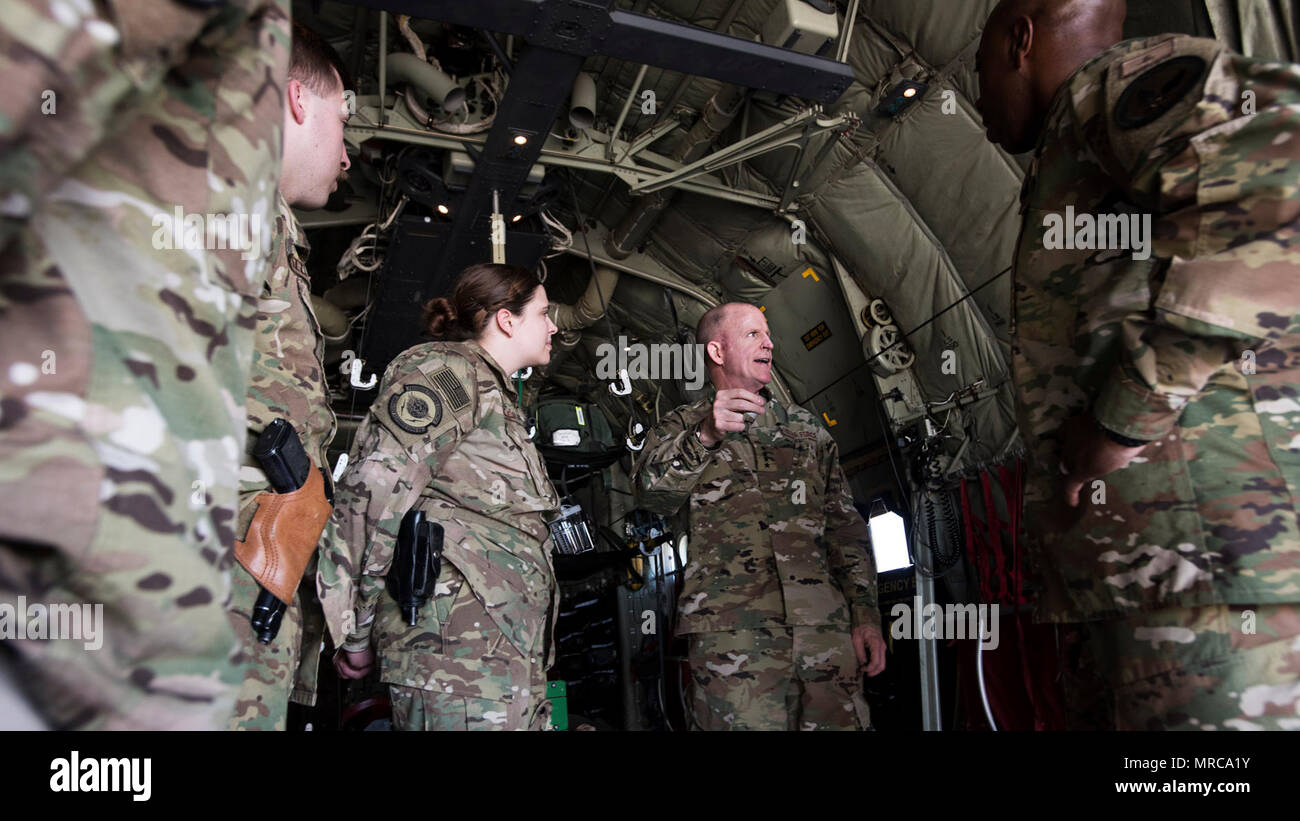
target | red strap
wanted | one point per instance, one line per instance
(973, 548)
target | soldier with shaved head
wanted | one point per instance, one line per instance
(779, 599)
(1157, 376)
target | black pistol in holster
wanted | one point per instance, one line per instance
(416, 564)
(286, 528)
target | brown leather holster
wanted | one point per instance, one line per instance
(283, 535)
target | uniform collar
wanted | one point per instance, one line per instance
(292, 228)
(502, 377)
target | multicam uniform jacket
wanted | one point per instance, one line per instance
(287, 381)
(444, 436)
(775, 539)
(131, 135)
(1195, 350)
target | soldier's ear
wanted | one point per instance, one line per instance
(1021, 41)
(295, 99)
(714, 350)
(505, 322)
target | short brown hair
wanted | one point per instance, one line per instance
(311, 60)
(480, 291)
(711, 323)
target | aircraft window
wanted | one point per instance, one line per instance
(889, 541)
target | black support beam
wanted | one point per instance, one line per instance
(591, 28)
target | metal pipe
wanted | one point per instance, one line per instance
(383, 67)
(842, 48)
(582, 101)
(622, 115)
(497, 50)
(438, 86)
(590, 306)
(718, 113)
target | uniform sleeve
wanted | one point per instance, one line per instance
(848, 541)
(68, 73)
(390, 467)
(672, 461)
(1222, 187)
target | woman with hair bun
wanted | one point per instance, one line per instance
(445, 439)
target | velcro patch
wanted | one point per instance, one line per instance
(1133, 65)
(416, 409)
(446, 379)
(1159, 89)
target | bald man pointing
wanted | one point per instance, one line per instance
(779, 598)
(1156, 343)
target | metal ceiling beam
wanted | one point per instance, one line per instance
(591, 159)
(588, 28)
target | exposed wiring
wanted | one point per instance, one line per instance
(364, 252)
(564, 242)
(417, 45)
(979, 672)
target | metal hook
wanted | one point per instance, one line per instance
(636, 431)
(624, 386)
(357, 365)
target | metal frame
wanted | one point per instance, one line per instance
(696, 177)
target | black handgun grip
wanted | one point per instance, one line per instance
(266, 615)
(282, 457)
(286, 464)
(416, 565)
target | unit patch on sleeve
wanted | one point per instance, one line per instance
(1157, 90)
(416, 409)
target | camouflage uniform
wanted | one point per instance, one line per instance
(287, 381)
(780, 568)
(1196, 350)
(124, 363)
(445, 436)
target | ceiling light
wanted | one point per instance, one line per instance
(902, 96)
(517, 217)
(442, 209)
(520, 139)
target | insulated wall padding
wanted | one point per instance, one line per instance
(641, 310)
(937, 29)
(884, 247)
(771, 248)
(966, 192)
(739, 285)
(1256, 28)
(694, 237)
(872, 58)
